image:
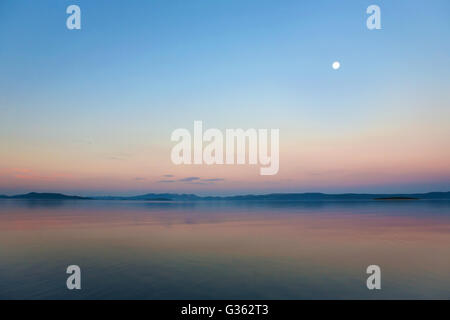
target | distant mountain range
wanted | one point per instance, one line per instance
(43, 196)
(249, 197)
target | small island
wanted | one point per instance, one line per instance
(397, 198)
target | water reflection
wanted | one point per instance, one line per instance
(236, 250)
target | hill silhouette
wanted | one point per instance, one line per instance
(46, 196)
(248, 197)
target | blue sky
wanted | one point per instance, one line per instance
(135, 72)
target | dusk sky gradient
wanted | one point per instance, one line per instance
(91, 111)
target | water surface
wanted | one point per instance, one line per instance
(224, 250)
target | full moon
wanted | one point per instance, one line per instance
(336, 65)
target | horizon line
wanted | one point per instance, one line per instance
(222, 196)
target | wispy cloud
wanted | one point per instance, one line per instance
(118, 156)
(189, 179)
(192, 180)
(213, 180)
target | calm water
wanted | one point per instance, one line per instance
(224, 250)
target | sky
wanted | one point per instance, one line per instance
(91, 111)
